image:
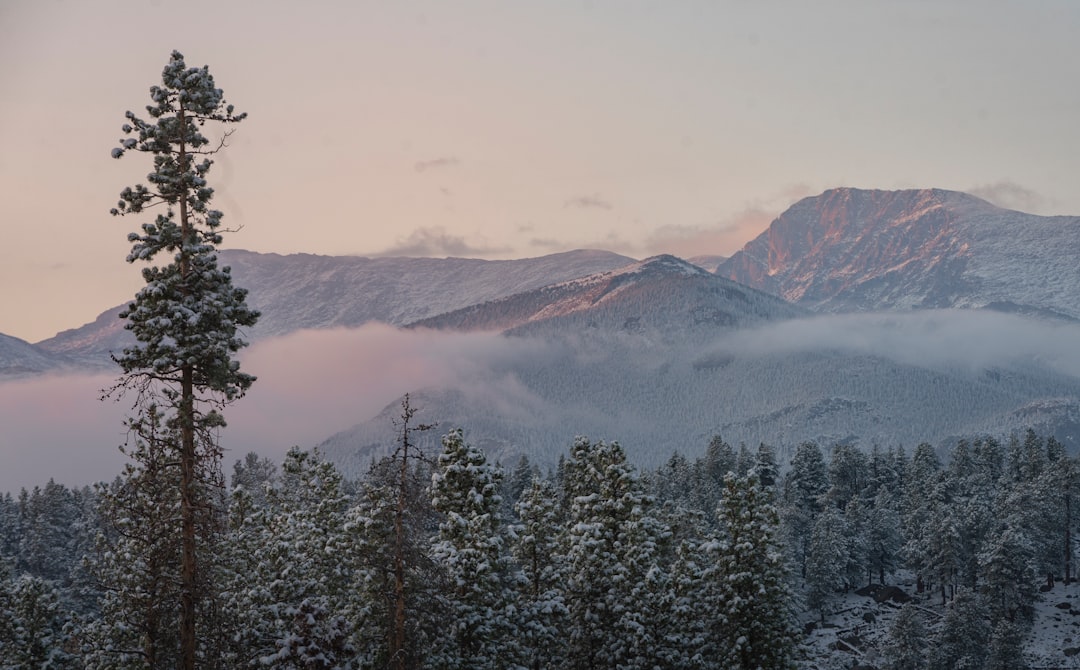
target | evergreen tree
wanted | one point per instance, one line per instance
(805, 484)
(963, 641)
(186, 319)
(827, 560)
(35, 629)
(135, 558)
(471, 550)
(906, 647)
(883, 537)
(847, 474)
(288, 578)
(610, 547)
(1007, 578)
(753, 627)
(10, 527)
(919, 509)
(47, 545)
(1007, 646)
(541, 605)
(857, 517)
(400, 590)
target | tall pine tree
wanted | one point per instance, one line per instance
(187, 318)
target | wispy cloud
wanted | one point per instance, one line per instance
(311, 385)
(436, 163)
(974, 339)
(1010, 195)
(728, 234)
(588, 202)
(438, 242)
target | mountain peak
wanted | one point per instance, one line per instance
(851, 249)
(663, 264)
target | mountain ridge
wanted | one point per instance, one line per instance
(300, 291)
(864, 250)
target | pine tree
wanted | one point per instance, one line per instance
(754, 625)
(906, 647)
(847, 474)
(963, 641)
(135, 559)
(826, 564)
(804, 486)
(186, 319)
(884, 540)
(471, 550)
(541, 604)
(401, 609)
(53, 534)
(35, 628)
(289, 574)
(610, 547)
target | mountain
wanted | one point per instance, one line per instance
(662, 355)
(660, 295)
(300, 291)
(19, 358)
(864, 250)
(659, 400)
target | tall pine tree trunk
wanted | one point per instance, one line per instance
(187, 515)
(187, 449)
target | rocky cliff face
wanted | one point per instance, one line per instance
(858, 250)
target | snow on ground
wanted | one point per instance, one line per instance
(854, 635)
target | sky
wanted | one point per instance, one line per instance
(516, 129)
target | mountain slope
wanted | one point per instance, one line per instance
(662, 294)
(307, 291)
(656, 401)
(20, 358)
(860, 250)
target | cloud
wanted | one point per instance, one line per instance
(726, 235)
(723, 237)
(1011, 195)
(436, 164)
(311, 385)
(973, 339)
(438, 242)
(587, 202)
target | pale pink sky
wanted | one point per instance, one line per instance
(498, 129)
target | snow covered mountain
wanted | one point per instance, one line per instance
(662, 356)
(862, 250)
(307, 291)
(662, 295)
(19, 358)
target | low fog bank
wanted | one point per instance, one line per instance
(313, 384)
(310, 385)
(937, 339)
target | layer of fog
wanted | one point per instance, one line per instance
(313, 384)
(310, 385)
(973, 339)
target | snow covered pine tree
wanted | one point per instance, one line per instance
(186, 319)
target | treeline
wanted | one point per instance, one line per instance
(449, 561)
(441, 562)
